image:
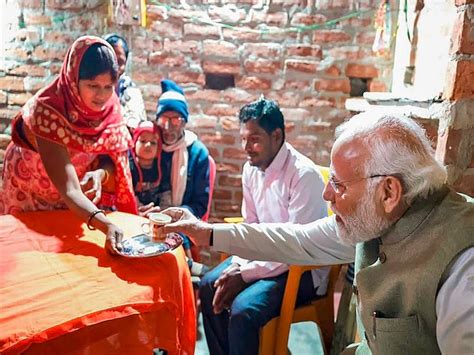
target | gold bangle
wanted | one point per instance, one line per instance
(92, 215)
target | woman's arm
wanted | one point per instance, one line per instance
(63, 175)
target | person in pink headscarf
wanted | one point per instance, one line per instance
(70, 130)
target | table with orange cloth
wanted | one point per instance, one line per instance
(62, 293)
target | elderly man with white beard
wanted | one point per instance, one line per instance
(410, 235)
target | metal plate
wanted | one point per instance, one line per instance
(141, 246)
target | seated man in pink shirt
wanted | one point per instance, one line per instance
(280, 184)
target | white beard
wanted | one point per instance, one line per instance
(364, 224)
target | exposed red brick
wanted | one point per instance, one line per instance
(70, 5)
(201, 121)
(361, 71)
(221, 68)
(156, 13)
(462, 38)
(201, 31)
(31, 3)
(49, 53)
(318, 128)
(297, 84)
(289, 3)
(342, 85)
(238, 96)
(295, 115)
(57, 37)
(262, 66)
(304, 50)
(30, 35)
(365, 38)
(37, 19)
(55, 67)
(238, 195)
(166, 59)
(193, 47)
(333, 70)
(284, 99)
(83, 23)
(377, 86)
(330, 36)
(227, 167)
(18, 99)
(3, 97)
(230, 123)
(279, 19)
(142, 43)
(315, 102)
(29, 69)
(447, 149)
(459, 80)
(233, 153)
(187, 77)
(205, 95)
(253, 83)
(18, 54)
(227, 14)
(12, 83)
(219, 49)
(230, 180)
(167, 29)
(147, 76)
(221, 110)
(186, 14)
(264, 50)
(348, 53)
(7, 114)
(431, 129)
(243, 35)
(33, 84)
(221, 194)
(360, 22)
(303, 66)
(272, 34)
(301, 19)
(226, 208)
(214, 152)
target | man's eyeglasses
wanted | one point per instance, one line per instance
(175, 121)
(340, 186)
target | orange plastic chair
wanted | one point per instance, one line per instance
(274, 335)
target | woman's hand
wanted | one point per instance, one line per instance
(113, 240)
(91, 184)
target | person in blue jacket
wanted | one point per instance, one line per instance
(184, 161)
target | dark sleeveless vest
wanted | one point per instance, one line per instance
(399, 274)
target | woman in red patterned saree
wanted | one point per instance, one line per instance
(61, 133)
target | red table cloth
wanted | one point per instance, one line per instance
(61, 292)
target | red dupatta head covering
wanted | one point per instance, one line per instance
(146, 126)
(58, 113)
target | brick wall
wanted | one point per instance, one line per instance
(456, 132)
(307, 71)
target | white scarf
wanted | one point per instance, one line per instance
(179, 166)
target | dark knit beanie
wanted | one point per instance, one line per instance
(172, 99)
